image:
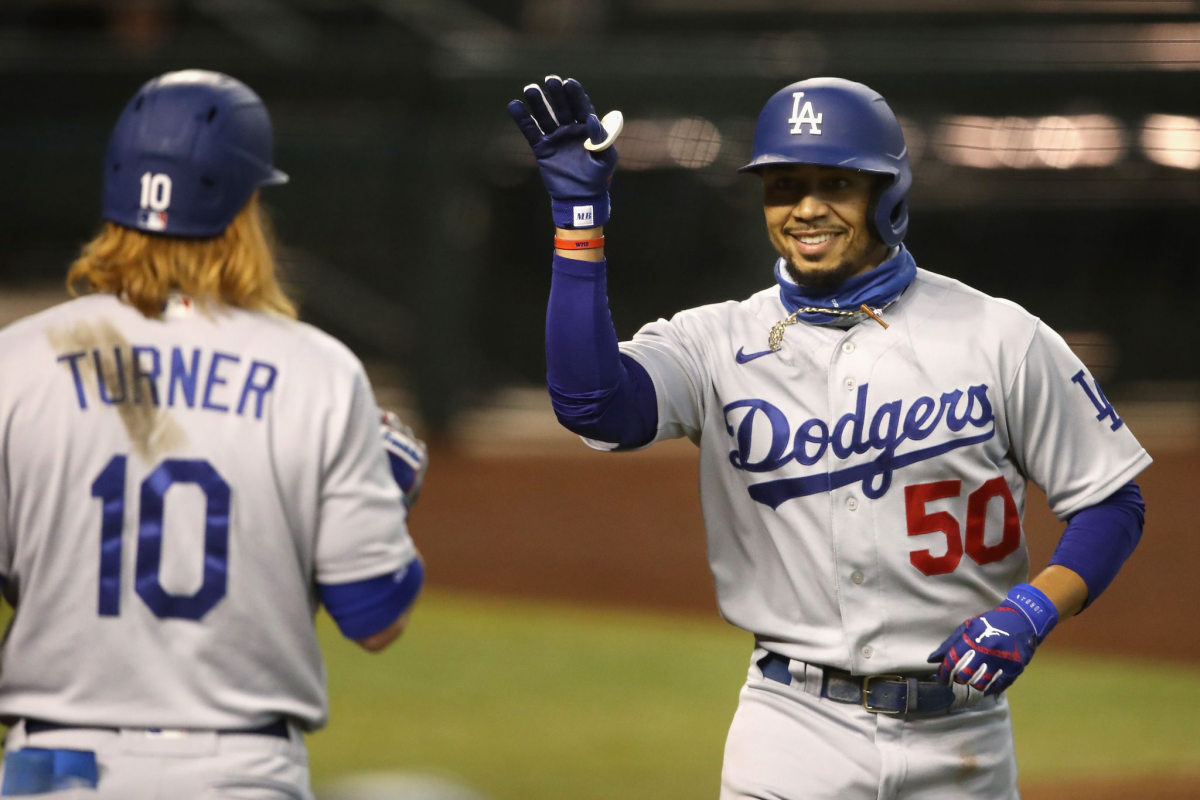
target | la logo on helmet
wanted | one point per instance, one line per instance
(804, 115)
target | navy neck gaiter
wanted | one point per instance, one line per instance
(877, 288)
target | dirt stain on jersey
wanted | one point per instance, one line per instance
(151, 430)
(968, 764)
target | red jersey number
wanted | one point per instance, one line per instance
(943, 522)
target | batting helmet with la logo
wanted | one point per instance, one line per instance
(839, 123)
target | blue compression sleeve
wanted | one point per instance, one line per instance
(597, 392)
(364, 608)
(1099, 539)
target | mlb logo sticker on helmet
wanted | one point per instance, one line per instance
(152, 220)
(803, 115)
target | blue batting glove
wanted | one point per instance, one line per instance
(990, 651)
(407, 456)
(557, 121)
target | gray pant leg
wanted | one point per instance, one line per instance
(785, 743)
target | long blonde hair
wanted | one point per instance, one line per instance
(235, 268)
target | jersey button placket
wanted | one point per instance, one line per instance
(855, 605)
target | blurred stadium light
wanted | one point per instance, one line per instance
(1055, 142)
(1172, 141)
(693, 143)
(1051, 142)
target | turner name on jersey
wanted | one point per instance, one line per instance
(223, 382)
(177, 490)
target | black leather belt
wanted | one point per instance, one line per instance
(879, 694)
(278, 729)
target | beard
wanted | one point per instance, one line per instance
(823, 278)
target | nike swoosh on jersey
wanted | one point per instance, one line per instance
(742, 358)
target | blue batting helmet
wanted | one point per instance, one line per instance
(839, 123)
(189, 150)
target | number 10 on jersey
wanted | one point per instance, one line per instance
(109, 487)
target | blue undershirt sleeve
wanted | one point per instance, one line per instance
(364, 608)
(597, 392)
(1100, 538)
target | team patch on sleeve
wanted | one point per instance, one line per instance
(1104, 409)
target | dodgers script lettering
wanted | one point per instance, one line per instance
(890, 426)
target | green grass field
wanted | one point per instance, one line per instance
(527, 701)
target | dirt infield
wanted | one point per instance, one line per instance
(1157, 788)
(626, 530)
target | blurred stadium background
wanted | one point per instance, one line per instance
(570, 646)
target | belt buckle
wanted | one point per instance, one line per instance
(866, 693)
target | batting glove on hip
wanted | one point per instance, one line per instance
(407, 456)
(990, 651)
(557, 121)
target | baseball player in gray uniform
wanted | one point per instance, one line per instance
(186, 471)
(867, 431)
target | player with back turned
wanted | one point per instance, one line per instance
(186, 472)
(867, 430)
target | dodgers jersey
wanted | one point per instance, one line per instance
(171, 492)
(863, 488)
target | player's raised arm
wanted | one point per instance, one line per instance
(597, 392)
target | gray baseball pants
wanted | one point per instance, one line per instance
(789, 743)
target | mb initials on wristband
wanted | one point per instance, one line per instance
(1032, 602)
(578, 244)
(590, 212)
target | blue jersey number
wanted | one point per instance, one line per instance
(109, 486)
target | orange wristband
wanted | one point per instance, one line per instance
(578, 244)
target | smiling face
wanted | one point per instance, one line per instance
(817, 220)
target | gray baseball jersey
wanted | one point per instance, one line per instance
(171, 492)
(863, 488)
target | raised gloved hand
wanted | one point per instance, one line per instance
(407, 456)
(572, 148)
(991, 650)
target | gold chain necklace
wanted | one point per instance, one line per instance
(775, 340)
